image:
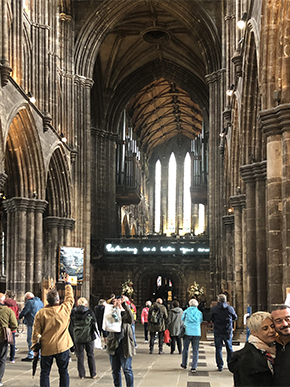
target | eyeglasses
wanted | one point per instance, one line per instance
(280, 320)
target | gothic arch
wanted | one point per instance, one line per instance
(101, 22)
(24, 163)
(58, 192)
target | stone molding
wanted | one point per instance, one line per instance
(253, 172)
(55, 221)
(3, 178)
(276, 120)
(83, 81)
(215, 76)
(104, 134)
(238, 201)
(19, 204)
(228, 220)
(65, 17)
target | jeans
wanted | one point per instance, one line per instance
(3, 357)
(117, 361)
(134, 337)
(176, 339)
(89, 347)
(194, 340)
(62, 360)
(12, 348)
(218, 342)
(160, 341)
(146, 331)
(29, 342)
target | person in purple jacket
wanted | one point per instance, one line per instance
(223, 315)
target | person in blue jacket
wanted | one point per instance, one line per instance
(223, 315)
(192, 318)
(32, 306)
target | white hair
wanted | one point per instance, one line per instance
(193, 302)
(149, 303)
(254, 322)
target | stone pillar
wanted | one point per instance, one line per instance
(215, 209)
(68, 227)
(227, 267)
(238, 202)
(5, 68)
(40, 206)
(272, 129)
(250, 185)
(260, 172)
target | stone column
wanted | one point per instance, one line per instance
(260, 172)
(5, 68)
(215, 209)
(238, 202)
(52, 244)
(40, 206)
(227, 267)
(68, 227)
(271, 128)
(250, 185)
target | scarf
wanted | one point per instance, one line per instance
(268, 351)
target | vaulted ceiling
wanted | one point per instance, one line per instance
(152, 59)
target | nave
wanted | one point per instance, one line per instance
(149, 370)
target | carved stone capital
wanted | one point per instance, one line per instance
(237, 61)
(228, 220)
(5, 70)
(276, 120)
(238, 201)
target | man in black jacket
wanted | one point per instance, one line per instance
(281, 319)
(223, 316)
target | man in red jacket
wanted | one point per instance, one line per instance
(12, 304)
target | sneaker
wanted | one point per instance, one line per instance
(146, 342)
(13, 361)
(69, 360)
(193, 370)
(27, 359)
(160, 353)
(183, 366)
(16, 349)
(220, 369)
(94, 377)
(1, 384)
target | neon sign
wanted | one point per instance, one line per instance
(156, 248)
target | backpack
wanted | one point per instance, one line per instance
(156, 317)
(82, 330)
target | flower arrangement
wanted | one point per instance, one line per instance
(195, 290)
(127, 288)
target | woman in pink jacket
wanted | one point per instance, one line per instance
(144, 319)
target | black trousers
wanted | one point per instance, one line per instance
(160, 341)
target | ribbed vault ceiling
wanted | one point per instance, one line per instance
(162, 111)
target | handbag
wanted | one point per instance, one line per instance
(166, 336)
(182, 331)
(112, 321)
(98, 340)
(8, 336)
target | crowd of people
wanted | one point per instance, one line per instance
(60, 328)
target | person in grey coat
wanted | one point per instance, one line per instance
(174, 325)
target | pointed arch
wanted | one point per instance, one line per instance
(58, 192)
(24, 162)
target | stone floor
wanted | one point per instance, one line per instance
(149, 370)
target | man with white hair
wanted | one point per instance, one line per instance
(157, 321)
(32, 306)
(8, 319)
(223, 315)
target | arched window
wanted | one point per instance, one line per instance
(157, 196)
(171, 194)
(187, 195)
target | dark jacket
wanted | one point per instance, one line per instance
(281, 364)
(250, 368)
(80, 312)
(99, 313)
(158, 327)
(32, 306)
(223, 315)
(126, 335)
(174, 321)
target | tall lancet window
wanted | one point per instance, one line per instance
(157, 196)
(171, 194)
(186, 194)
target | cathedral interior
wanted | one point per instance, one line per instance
(146, 140)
